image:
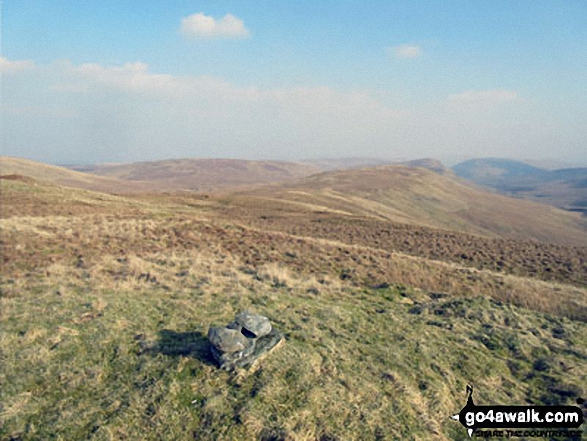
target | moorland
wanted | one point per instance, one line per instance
(396, 286)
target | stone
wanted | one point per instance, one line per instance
(256, 325)
(228, 340)
(244, 341)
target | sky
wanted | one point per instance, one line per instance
(122, 81)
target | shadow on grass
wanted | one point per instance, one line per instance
(187, 344)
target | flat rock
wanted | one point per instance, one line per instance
(254, 325)
(263, 346)
(244, 341)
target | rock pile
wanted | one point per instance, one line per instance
(242, 342)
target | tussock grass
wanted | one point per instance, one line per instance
(96, 353)
(422, 197)
(38, 243)
(104, 317)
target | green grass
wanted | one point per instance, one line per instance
(85, 356)
(92, 349)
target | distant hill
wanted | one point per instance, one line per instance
(68, 178)
(143, 177)
(328, 164)
(428, 163)
(421, 197)
(213, 174)
(563, 188)
(491, 171)
(202, 174)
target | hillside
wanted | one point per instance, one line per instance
(203, 174)
(563, 188)
(106, 302)
(330, 164)
(428, 163)
(417, 196)
(490, 171)
(326, 164)
(46, 173)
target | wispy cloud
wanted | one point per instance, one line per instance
(131, 77)
(405, 51)
(134, 112)
(9, 66)
(484, 97)
(128, 112)
(206, 27)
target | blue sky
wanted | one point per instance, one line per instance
(135, 80)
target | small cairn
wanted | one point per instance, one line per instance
(242, 342)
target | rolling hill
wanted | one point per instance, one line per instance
(330, 164)
(106, 301)
(67, 178)
(423, 194)
(144, 177)
(491, 171)
(563, 188)
(202, 174)
(417, 196)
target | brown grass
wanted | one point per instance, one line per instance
(104, 312)
(35, 244)
(544, 261)
(204, 174)
(68, 178)
(421, 197)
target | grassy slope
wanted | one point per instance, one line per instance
(422, 197)
(28, 197)
(93, 350)
(99, 358)
(548, 262)
(398, 193)
(68, 178)
(205, 174)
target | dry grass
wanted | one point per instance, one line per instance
(204, 174)
(68, 178)
(104, 315)
(549, 262)
(421, 197)
(101, 352)
(40, 242)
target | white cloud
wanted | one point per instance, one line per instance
(203, 26)
(135, 79)
(127, 111)
(405, 51)
(484, 98)
(131, 77)
(94, 112)
(9, 66)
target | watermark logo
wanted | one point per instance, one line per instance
(474, 418)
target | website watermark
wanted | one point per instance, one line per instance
(551, 420)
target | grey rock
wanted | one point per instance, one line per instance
(244, 341)
(263, 346)
(254, 324)
(228, 340)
